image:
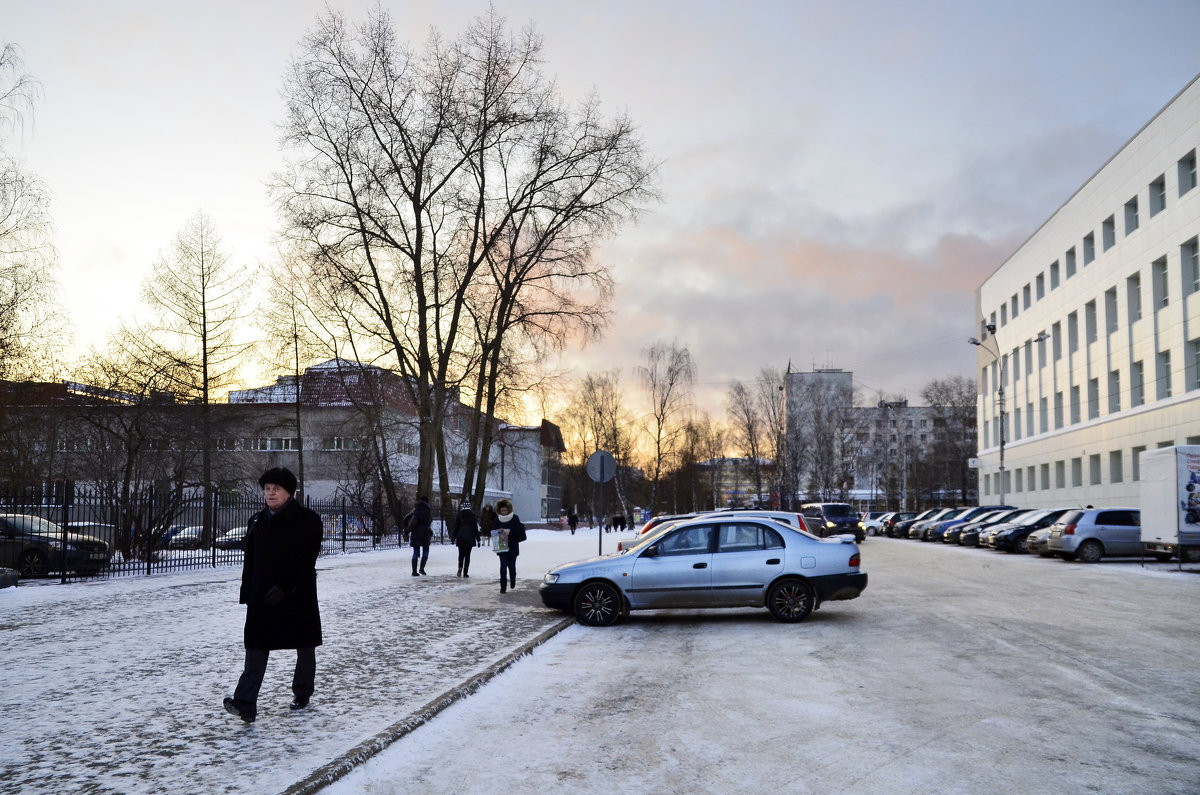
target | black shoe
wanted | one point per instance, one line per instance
(502, 589)
(466, 575)
(298, 703)
(512, 584)
(243, 710)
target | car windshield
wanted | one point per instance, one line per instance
(837, 510)
(650, 537)
(33, 524)
(1030, 517)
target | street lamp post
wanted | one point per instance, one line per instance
(996, 357)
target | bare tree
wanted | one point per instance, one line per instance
(598, 419)
(196, 297)
(668, 376)
(748, 427)
(953, 401)
(448, 200)
(32, 328)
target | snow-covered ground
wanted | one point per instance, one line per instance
(116, 685)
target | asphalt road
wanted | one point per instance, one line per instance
(958, 670)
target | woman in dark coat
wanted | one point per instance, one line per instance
(512, 533)
(279, 589)
(466, 535)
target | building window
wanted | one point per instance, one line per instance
(1013, 302)
(1058, 410)
(1039, 287)
(1110, 310)
(1093, 398)
(1060, 474)
(1045, 477)
(1189, 258)
(1191, 365)
(1187, 172)
(1054, 275)
(1043, 416)
(1020, 481)
(1158, 195)
(1089, 248)
(1029, 472)
(1069, 259)
(1133, 294)
(1162, 293)
(1075, 416)
(1162, 375)
(1041, 353)
(1094, 469)
(1016, 424)
(1016, 365)
(1135, 456)
(1115, 469)
(1137, 384)
(1108, 233)
(225, 445)
(1131, 216)
(1056, 341)
(1003, 315)
(1029, 419)
(1026, 296)
(1072, 332)
(1076, 472)
(1114, 391)
(1089, 321)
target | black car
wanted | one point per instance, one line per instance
(1013, 537)
(832, 518)
(233, 539)
(34, 547)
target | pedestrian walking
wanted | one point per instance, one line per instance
(419, 522)
(487, 520)
(507, 536)
(572, 521)
(279, 589)
(466, 536)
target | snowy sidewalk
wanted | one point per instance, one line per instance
(116, 686)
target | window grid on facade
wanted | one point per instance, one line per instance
(1089, 248)
(1187, 172)
(1045, 479)
(1111, 321)
(1131, 216)
(1158, 195)
(1133, 295)
(1162, 291)
(1072, 332)
(1039, 287)
(1108, 233)
(1135, 457)
(1043, 417)
(1089, 321)
(1058, 410)
(1115, 469)
(1162, 375)
(1094, 469)
(1192, 365)
(1069, 259)
(1076, 472)
(1137, 384)
(1114, 391)
(1060, 475)
(1189, 258)
(1054, 275)
(1093, 398)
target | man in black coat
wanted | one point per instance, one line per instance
(279, 589)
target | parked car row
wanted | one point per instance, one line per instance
(1084, 534)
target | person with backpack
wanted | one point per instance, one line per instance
(419, 523)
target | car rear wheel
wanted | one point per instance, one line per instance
(790, 601)
(1090, 551)
(32, 563)
(1020, 545)
(597, 604)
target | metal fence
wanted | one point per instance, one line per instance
(89, 536)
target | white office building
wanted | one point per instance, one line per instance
(1089, 335)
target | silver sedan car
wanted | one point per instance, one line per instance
(711, 561)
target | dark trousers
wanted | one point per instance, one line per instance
(303, 678)
(421, 554)
(508, 568)
(464, 559)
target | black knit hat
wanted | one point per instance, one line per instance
(280, 476)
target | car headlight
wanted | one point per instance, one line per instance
(550, 578)
(830, 524)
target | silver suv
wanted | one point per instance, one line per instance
(1095, 532)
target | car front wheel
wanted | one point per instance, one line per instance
(597, 604)
(790, 601)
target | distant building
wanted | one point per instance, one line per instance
(1089, 334)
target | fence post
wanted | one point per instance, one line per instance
(213, 534)
(343, 525)
(68, 493)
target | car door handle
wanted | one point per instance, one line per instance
(699, 565)
(772, 561)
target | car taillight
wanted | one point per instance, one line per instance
(855, 560)
(1069, 530)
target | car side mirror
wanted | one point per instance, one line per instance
(651, 551)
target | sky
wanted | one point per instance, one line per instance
(836, 178)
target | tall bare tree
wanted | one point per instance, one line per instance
(32, 327)
(196, 297)
(448, 200)
(953, 400)
(668, 376)
(748, 427)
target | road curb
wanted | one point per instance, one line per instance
(339, 767)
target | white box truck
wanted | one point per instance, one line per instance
(1170, 498)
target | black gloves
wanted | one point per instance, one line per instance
(274, 596)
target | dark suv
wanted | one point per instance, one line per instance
(831, 519)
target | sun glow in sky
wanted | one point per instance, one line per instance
(837, 178)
